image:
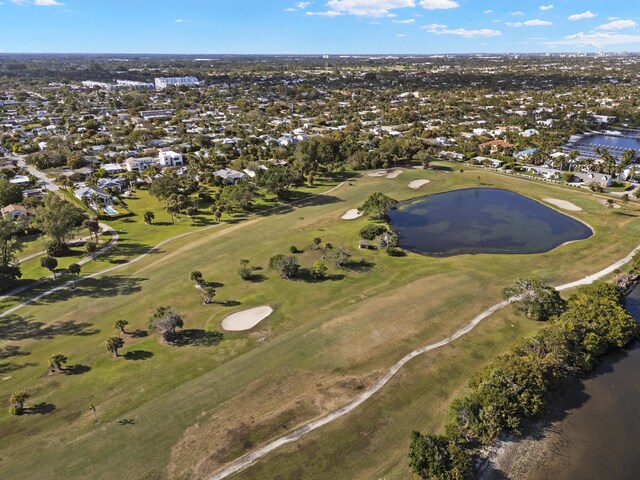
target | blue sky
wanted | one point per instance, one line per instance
(325, 26)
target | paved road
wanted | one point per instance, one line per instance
(45, 181)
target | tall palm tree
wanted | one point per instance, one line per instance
(56, 361)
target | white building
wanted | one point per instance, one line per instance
(138, 164)
(134, 84)
(163, 82)
(170, 158)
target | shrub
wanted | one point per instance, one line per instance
(372, 230)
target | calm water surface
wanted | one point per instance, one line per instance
(601, 438)
(482, 220)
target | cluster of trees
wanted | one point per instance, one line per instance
(378, 205)
(519, 384)
(288, 266)
(10, 245)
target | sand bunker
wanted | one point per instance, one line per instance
(352, 214)
(563, 204)
(247, 319)
(415, 184)
(380, 173)
(394, 174)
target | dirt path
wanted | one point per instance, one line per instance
(249, 459)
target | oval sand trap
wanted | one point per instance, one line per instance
(352, 214)
(247, 319)
(415, 184)
(379, 173)
(563, 204)
(394, 174)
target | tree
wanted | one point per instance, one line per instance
(196, 277)
(56, 361)
(59, 220)
(286, 265)
(319, 270)
(166, 321)
(74, 270)
(338, 256)
(610, 203)
(625, 199)
(316, 243)
(536, 299)
(278, 181)
(437, 457)
(93, 226)
(17, 401)
(245, 272)
(50, 264)
(91, 248)
(377, 206)
(237, 197)
(165, 186)
(114, 344)
(207, 292)
(120, 325)
(9, 193)
(149, 216)
(9, 246)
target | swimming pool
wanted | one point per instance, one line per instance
(110, 210)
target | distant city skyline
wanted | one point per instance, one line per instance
(318, 27)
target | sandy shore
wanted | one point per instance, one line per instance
(415, 184)
(352, 214)
(246, 319)
(563, 204)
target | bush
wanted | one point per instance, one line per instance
(395, 252)
(245, 273)
(293, 249)
(372, 230)
(568, 177)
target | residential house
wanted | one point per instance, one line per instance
(93, 195)
(14, 212)
(230, 176)
(525, 154)
(495, 146)
(139, 164)
(170, 158)
(600, 178)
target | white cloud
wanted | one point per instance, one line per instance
(298, 6)
(438, 4)
(401, 35)
(544, 8)
(368, 8)
(410, 20)
(530, 23)
(48, 3)
(438, 29)
(182, 20)
(617, 25)
(487, 12)
(328, 13)
(597, 39)
(582, 16)
(517, 14)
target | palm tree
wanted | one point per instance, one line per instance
(92, 407)
(56, 361)
(196, 277)
(114, 344)
(91, 248)
(17, 402)
(610, 203)
(120, 325)
(148, 217)
(207, 293)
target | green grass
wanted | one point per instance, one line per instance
(195, 407)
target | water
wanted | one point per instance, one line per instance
(617, 143)
(600, 438)
(482, 220)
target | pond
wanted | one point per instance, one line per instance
(482, 220)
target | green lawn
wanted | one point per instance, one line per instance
(182, 412)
